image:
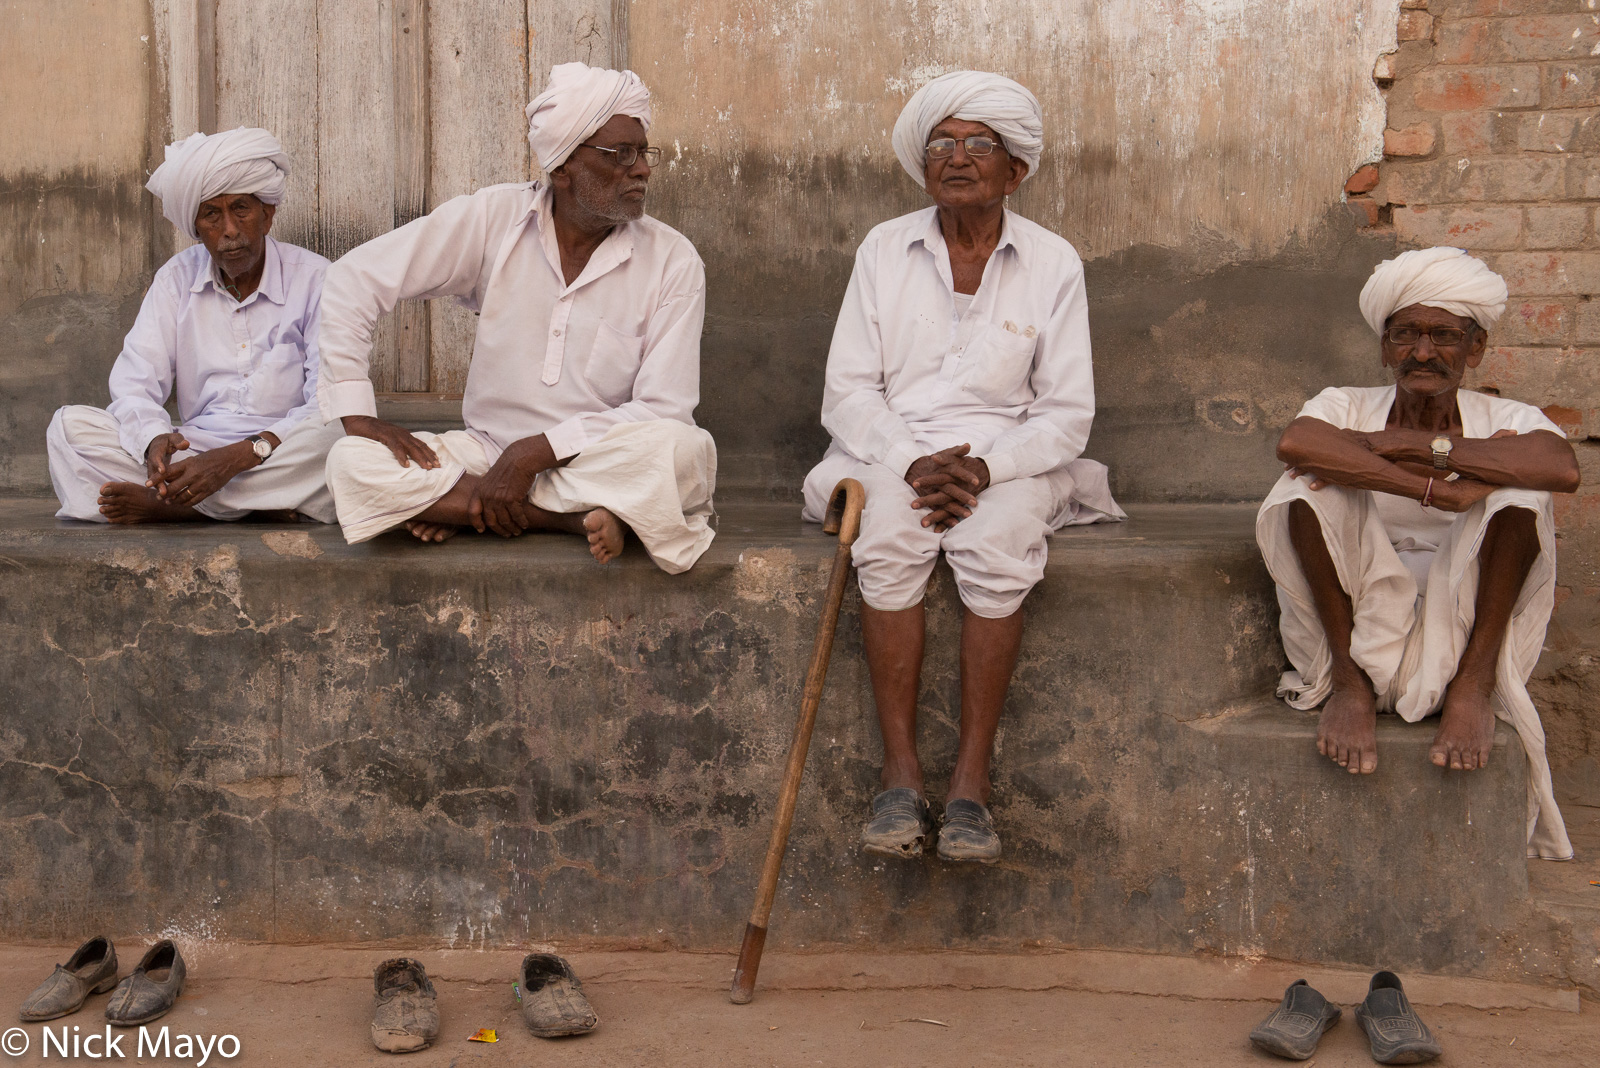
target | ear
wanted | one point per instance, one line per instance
(1019, 171)
(559, 178)
(1480, 343)
(271, 211)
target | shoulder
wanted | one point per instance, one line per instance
(664, 240)
(1049, 247)
(296, 259)
(502, 204)
(900, 231)
(1503, 413)
(1343, 405)
(183, 268)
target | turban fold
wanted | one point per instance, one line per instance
(577, 102)
(1007, 108)
(202, 166)
(1441, 277)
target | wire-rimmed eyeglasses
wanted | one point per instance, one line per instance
(628, 155)
(976, 145)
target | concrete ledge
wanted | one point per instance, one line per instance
(262, 733)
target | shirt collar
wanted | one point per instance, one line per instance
(271, 286)
(615, 250)
(932, 237)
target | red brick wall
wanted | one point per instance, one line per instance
(1493, 145)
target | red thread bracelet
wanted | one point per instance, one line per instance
(1427, 495)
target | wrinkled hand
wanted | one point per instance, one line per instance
(156, 455)
(400, 441)
(192, 480)
(500, 500)
(947, 483)
(1459, 495)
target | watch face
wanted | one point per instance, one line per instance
(1440, 444)
(262, 447)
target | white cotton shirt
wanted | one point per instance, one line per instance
(238, 367)
(910, 372)
(1417, 532)
(620, 344)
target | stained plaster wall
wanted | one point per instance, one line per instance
(78, 240)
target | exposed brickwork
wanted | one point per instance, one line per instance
(1493, 145)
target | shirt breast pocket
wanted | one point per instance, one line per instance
(613, 364)
(1001, 364)
(279, 381)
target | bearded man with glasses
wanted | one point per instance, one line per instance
(1412, 538)
(959, 391)
(585, 373)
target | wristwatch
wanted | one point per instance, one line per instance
(262, 447)
(1441, 447)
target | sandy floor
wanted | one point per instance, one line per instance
(311, 1006)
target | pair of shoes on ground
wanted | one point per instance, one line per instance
(901, 823)
(405, 1013)
(147, 994)
(1395, 1032)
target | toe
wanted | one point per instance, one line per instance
(1369, 762)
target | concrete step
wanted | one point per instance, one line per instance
(263, 733)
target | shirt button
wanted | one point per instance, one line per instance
(555, 333)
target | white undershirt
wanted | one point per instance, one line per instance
(963, 302)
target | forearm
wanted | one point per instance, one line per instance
(1343, 458)
(1538, 460)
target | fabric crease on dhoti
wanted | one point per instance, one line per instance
(656, 476)
(1410, 641)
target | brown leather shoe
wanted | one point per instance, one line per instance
(405, 1012)
(553, 1004)
(92, 969)
(150, 992)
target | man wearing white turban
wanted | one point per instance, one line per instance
(230, 326)
(1412, 538)
(960, 392)
(585, 373)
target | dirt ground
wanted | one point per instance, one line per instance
(311, 1006)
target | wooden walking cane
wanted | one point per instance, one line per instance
(843, 519)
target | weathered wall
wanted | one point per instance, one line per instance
(77, 240)
(1194, 155)
(1492, 145)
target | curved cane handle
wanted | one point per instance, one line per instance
(844, 510)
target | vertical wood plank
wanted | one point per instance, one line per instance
(266, 76)
(411, 167)
(205, 39)
(478, 78)
(567, 30)
(356, 162)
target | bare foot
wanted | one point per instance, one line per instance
(1466, 729)
(128, 502)
(1348, 731)
(604, 532)
(432, 532)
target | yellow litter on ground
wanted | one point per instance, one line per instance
(484, 1034)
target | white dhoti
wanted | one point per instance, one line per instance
(997, 554)
(657, 476)
(1410, 641)
(85, 453)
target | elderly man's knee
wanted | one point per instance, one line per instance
(352, 456)
(70, 421)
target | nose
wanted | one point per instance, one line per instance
(640, 168)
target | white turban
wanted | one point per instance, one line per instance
(577, 102)
(202, 166)
(992, 99)
(1441, 277)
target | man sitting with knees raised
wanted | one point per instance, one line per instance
(959, 392)
(1412, 538)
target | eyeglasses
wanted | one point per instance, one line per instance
(1443, 337)
(628, 155)
(945, 147)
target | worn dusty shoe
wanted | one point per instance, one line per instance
(1396, 1032)
(92, 969)
(968, 833)
(1295, 1026)
(900, 824)
(553, 1004)
(405, 1011)
(150, 992)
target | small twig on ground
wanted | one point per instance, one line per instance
(936, 1023)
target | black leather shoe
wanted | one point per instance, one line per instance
(150, 992)
(1293, 1028)
(92, 969)
(900, 824)
(1396, 1032)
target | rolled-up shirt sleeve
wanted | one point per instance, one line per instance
(141, 377)
(438, 255)
(854, 408)
(1059, 417)
(668, 383)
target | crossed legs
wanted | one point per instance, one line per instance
(894, 646)
(1347, 732)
